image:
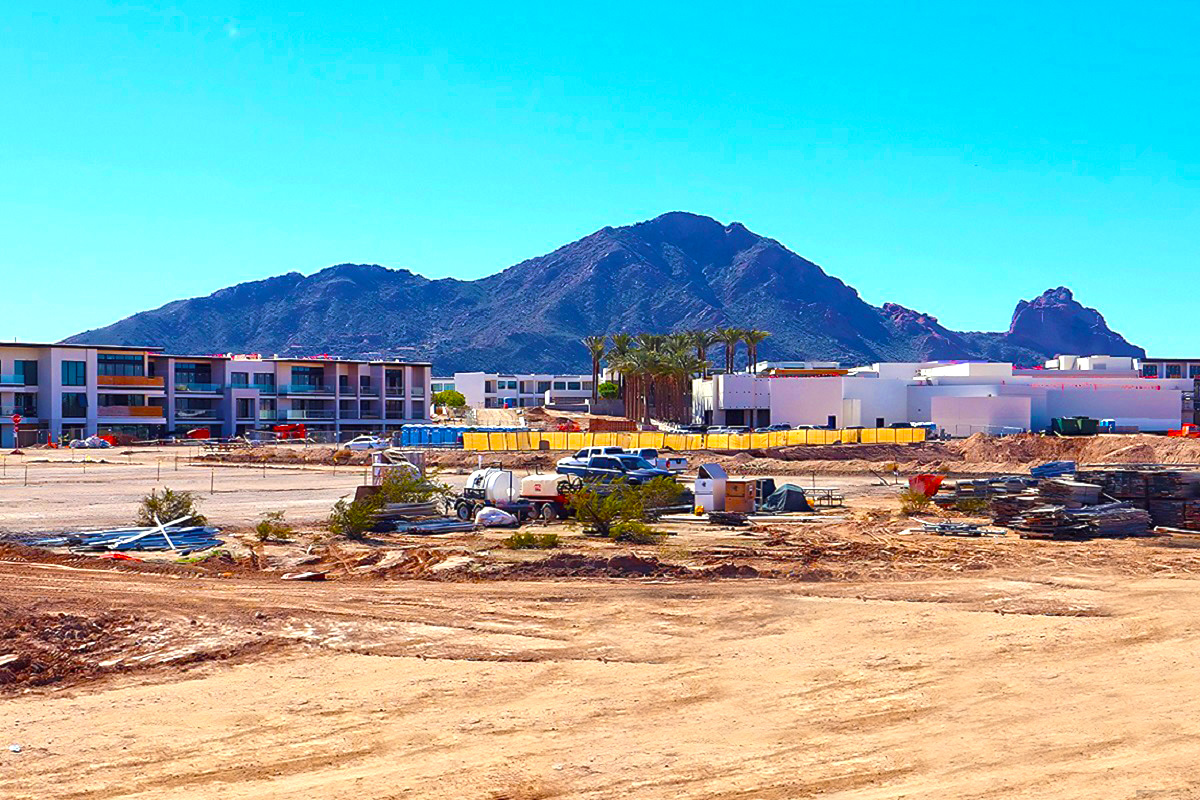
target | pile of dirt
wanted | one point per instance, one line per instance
(40, 649)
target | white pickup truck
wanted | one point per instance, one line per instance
(669, 463)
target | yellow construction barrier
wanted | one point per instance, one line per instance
(534, 440)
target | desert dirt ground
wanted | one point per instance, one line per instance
(863, 662)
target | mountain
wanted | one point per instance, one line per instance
(676, 272)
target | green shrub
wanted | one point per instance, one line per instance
(168, 507)
(272, 527)
(532, 541)
(914, 502)
(354, 518)
(620, 515)
(971, 505)
(608, 390)
(635, 531)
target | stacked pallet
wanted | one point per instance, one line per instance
(1172, 496)
(1109, 520)
(1068, 493)
(1007, 507)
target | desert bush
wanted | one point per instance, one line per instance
(168, 506)
(971, 505)
(620, 515)
(634, 531)
(608, 390)
(354, 518)
(532, 541)
(273, 527)
(913, 502)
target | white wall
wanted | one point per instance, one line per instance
(964, 415)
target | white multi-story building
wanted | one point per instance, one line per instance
(70, 391)
(501, 390)
(959, 398)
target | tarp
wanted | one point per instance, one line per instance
(788, 497)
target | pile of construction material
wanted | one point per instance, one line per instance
(161, 538)
(1107, 520)
(1170, 495)
(1068, 493)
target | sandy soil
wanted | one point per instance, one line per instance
(863, 662)
(597, 689)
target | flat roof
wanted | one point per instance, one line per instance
(82, 346)
(276, 359)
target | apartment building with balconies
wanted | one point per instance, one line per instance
(504, 390)
(73, 391)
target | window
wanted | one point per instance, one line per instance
(109, 400)
(129, 364)
(245, 408)
(543, 387)
(394, 381)
(26, 372)
(606, 463)
(266, 405)
(418, 409)
(364, 382)
(1194, 370)
(189, 374)
(587, 385)
(74, 373)
(573, 386)
(239, 379)
(343, 383)
(560, 386)
(74, 404)
(489, 387)
(309, 377)
(25, 404)
(1149, 370)
(265, 381)
(1174, 370)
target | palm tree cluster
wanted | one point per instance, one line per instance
(655, 370)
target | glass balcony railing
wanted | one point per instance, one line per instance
(304, 413)
(305, 388)
(197, 387)
(395, 391)
(24, 411)
(129, 411)
(12, 380)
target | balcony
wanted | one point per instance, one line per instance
(395, 391)
(304, 413)
(196, 415)
(25, 412)
(268, 414)
(211, 388)
(129, 411)
(305, 388)
(130, 381)
(12, 380)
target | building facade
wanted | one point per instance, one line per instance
(958, 398)
(502, 390)
(73, 391)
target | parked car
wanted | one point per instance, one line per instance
(368, 442)
(610, 468)
(774, 428)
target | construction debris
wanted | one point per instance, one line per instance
(1072, 494)
(1109, 520)
(163, 538)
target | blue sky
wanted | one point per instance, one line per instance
(952, 157)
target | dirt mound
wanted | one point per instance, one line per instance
(40, 649)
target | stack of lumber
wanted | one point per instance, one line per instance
(1007, 507)
(1172, 496)
(1072, 494)
(406, 511)
(1109, 520)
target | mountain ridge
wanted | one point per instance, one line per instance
(675, 272)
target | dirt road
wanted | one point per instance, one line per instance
(1082, 687)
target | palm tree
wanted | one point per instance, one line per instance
(730, 338)
(622, 344)
(595, 346)
(702, 340)
(753, 338)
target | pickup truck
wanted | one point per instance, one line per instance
(609, 468)
(669, 463)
